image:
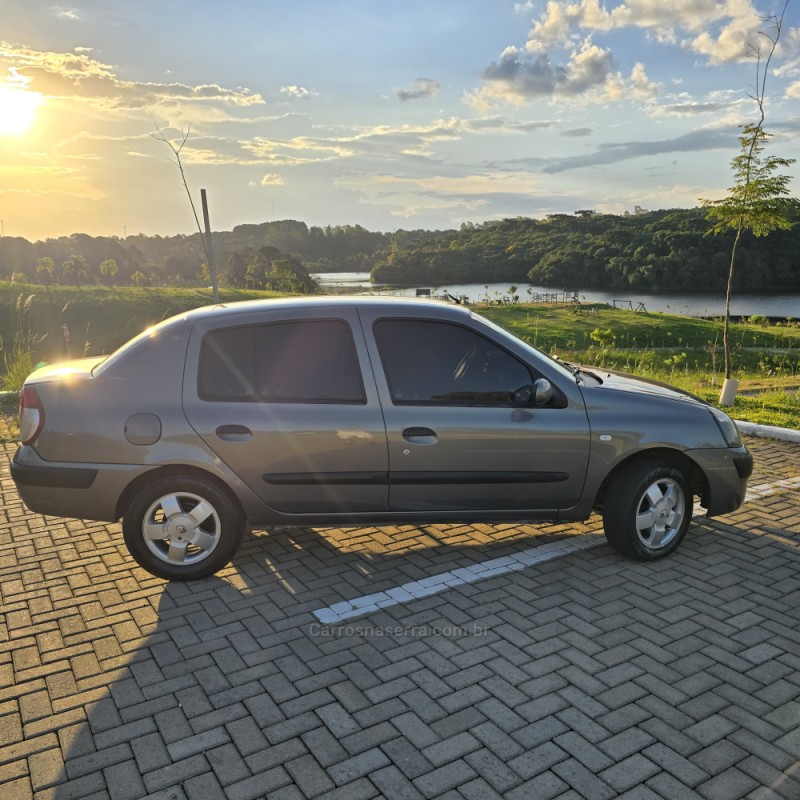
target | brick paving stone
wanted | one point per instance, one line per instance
(264, 760)
(711, 729)
(204, 787)
(537, 760)
(585, 782)
(670, 788)
(394, 785)
(440, 780)
(728, 785)
(258, 786)
(492, 770)
(544, 786)
(174, 774)
(124, 781)
(450, 749)
(111, 670)
(629, 772)
(309, 776)
(406, 757)
(150, 752)
(415, 730)
(718, 757)
(626, 743)
(478, 789)
(357, 766)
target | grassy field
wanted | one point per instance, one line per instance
(98, 319)
(681, 350)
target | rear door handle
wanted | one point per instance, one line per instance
(420, 436)
(234, 433)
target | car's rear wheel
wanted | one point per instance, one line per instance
(647, 510)
(182, 528)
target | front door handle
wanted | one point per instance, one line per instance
(420, 436)
(234, 433)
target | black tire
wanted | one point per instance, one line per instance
(647, 510)
(200, 524)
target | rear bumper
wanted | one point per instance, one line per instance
(88, 491)
(52, 477)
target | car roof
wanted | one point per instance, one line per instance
(390, 304)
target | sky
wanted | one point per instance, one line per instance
(420, 114)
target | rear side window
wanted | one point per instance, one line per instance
(312, 361)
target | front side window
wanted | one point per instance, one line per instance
(311, 361)
(439, 363)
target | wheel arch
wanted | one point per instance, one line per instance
(664, 456)
(170, 471)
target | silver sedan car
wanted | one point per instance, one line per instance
(353, 411)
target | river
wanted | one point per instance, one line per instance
(782, 305)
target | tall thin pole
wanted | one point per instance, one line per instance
(209, 251)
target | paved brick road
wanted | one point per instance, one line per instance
(584, 677)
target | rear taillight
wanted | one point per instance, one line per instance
(31, 415)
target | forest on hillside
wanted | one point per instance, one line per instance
(667, 249)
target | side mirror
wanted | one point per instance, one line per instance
(523, 396)
(543, 392)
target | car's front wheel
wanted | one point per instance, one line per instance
(182, 528)
(647, 510)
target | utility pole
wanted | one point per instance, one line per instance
(209, 251)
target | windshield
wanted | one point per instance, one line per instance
(558, 365)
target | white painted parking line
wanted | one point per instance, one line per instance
(434, 584)
(348, 609)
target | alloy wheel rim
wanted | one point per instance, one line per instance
(660, 513)
(181, 528)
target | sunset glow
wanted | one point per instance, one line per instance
(17, 110)
(413, 115)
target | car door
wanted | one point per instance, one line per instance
(287, 400)
(460, 436)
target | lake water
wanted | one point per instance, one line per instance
(768, 304)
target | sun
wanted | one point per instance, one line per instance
(17, 110)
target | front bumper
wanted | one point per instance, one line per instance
(726, 471)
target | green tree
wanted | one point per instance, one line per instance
(108, 269)
(758, 201)
(139, 278)
(76, 268)
(44, 269)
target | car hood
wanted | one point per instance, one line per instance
(65, 370)
(622, 382)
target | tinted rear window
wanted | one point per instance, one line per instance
(310, 361)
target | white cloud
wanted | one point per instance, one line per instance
(298, 92)
(67, 13)
(588, 76)
(272, 179)
(76, 76)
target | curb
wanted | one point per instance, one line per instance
(768, 431)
